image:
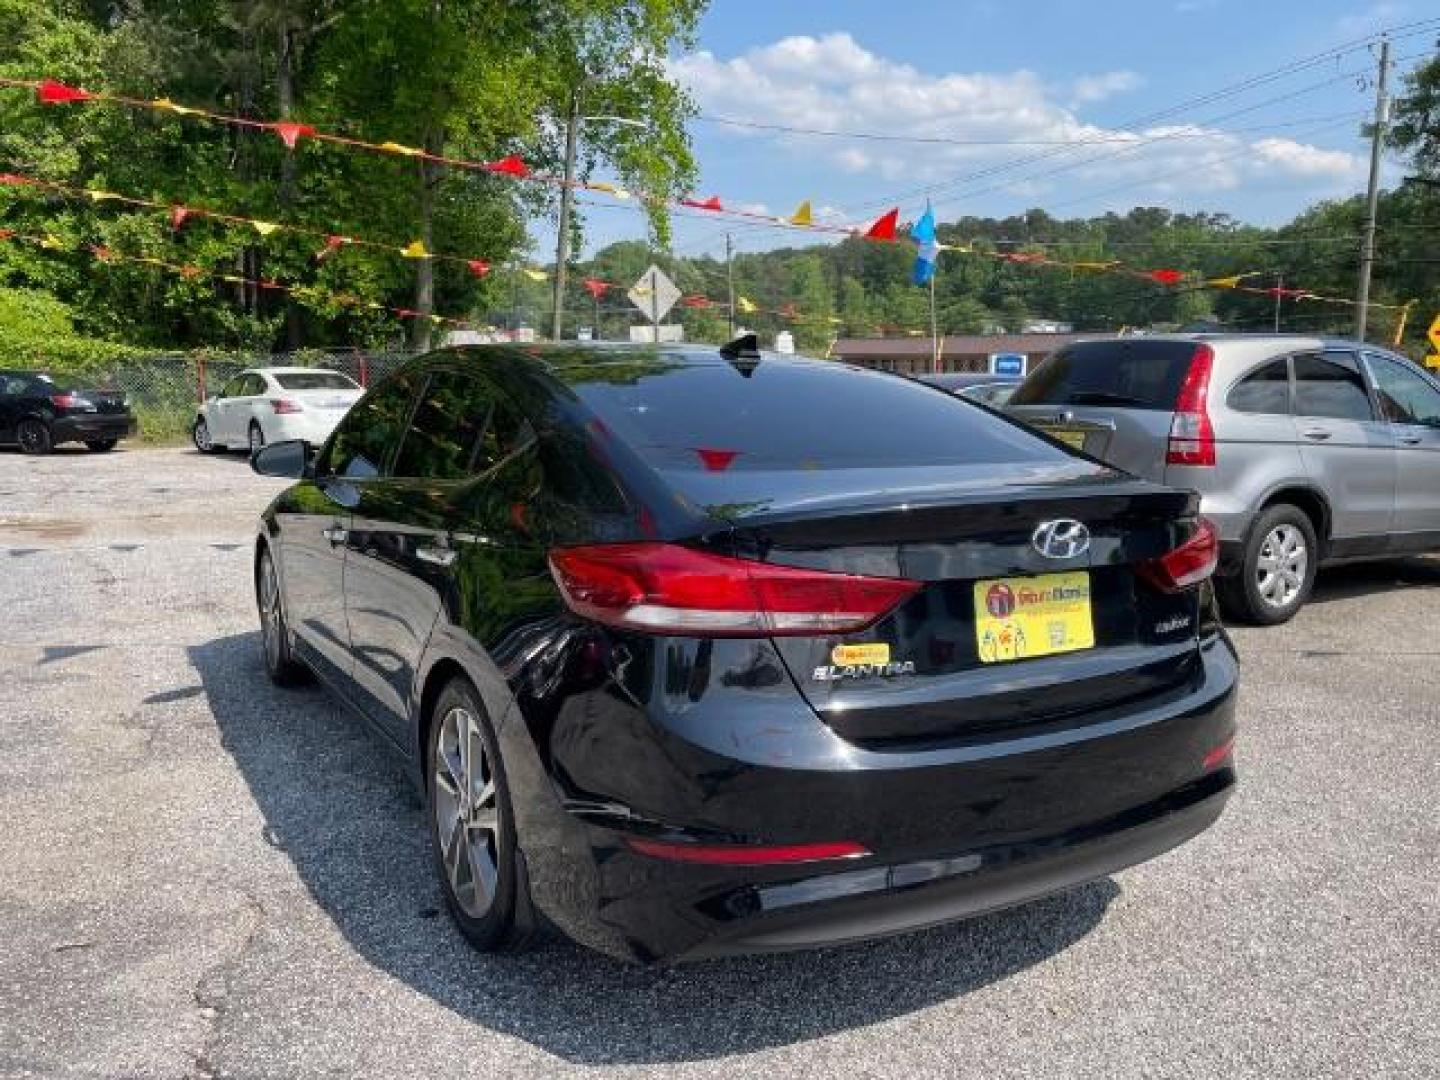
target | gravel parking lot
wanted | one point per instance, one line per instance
(205, 876)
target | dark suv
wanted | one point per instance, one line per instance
(38, 412)
(702, 652)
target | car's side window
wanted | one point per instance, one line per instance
(1331, 386)
(254, 386)
(233, 388)
(1264, 390)
(366, 438)
(462, 426)
(1406, 397)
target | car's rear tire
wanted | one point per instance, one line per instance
(102, 446)
(34, 437)
(1277, 568)
(472, 825)
(200, 436)
(257, 437)
(280, 662)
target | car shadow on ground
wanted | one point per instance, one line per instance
(341, 807)
(1368, 578)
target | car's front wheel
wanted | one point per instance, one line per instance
(34, 437)
(280, 662)
(200, 436)
(472, 826)
(1277, 568)
(257, 438)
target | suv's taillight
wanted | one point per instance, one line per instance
(72, 401)
(669, 589)
(1187, 565)
(1192, 437)
(285, 405)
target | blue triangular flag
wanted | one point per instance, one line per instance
(928, 249)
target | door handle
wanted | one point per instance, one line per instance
(1316, 433)
(336, 534)
(435, 554)
(1410, 440)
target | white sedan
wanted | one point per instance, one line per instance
(269, 405)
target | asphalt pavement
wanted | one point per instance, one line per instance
(202, 875)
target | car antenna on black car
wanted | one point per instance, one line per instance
(743, 353)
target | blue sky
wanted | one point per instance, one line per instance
(1036, 70)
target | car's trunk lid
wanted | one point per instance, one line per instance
(927, 671)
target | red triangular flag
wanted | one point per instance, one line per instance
(712, 203)
(1167, 277)
(716, 460)
(510, 166)
(51, 92)
(178, 214)
(290, 132)
(333, 243)
(15, 181)
(6, 234)
(884, 228)
(478, 267)
(696, 301)
(101, 252)
(595, 287)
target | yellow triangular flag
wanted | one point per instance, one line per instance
(1226, 282)
(534, 275)
(53, 242)
(100, 196)
(166, 103)
(745, 305)
(397, 148)
(415, 250)
(264, 228)
(802, 215)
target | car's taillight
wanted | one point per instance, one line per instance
(669, 589)
(746, 854)
(1187, 565)
(1192, 437)
(72, 401)
(285, 405)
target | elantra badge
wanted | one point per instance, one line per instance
(1063, 538)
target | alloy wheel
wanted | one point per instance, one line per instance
(257, 439)
(271, 625)
(1280, 570)
(201, 435)
(467, 812)
(33, 437)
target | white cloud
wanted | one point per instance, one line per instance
(832, 82)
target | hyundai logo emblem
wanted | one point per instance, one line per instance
(1062, 539)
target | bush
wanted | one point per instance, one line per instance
(37, 331)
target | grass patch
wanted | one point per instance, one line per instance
(164, 425)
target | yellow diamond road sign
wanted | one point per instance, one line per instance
(1433, 360)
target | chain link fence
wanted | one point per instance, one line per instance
(165, 390)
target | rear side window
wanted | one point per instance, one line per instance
(313, 380)
(1331, 386)
(365, 438)
(1264, 390)
(1129, 374)
(463, 425)
(798, 415)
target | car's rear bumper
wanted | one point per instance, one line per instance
(92, 427)
(954, 831)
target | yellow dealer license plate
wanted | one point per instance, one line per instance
(1017, 618)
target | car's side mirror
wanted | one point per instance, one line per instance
(293, 458)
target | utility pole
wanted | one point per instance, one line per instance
(562, 242)
(934, 330)
(730, 284)
(1372, 198)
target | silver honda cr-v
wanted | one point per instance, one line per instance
(1304, 451)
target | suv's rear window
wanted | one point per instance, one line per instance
(798, 415)
(1127, 374)
(314, 380)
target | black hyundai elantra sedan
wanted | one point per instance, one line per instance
(700, 652)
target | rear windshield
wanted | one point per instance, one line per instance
(1128, 374)
(314, 380)
(799, 415)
